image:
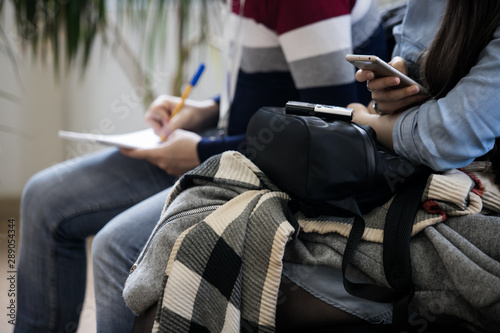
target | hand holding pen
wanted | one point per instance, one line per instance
(164, 114)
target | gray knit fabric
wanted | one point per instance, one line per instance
(455, 267)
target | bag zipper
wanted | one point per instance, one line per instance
(167, 220)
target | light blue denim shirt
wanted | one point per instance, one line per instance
(452, 131)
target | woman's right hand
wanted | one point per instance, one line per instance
(194, 115)
(389, 99)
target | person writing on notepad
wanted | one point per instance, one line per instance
(118, 196)
(178, 154)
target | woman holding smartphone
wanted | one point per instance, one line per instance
(452, 48)
(460, 67)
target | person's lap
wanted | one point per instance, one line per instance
(313, 296)
(60, 208)
(114, 250)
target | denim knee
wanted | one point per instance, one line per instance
(39, 201)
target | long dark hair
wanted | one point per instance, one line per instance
(467, 28)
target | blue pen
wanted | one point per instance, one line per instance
(186, 92)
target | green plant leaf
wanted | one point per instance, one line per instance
(66, 29)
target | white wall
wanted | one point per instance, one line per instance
(104, 100)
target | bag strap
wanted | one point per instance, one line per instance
(396, 254)
(396, 248)
(368, 291)
(349, 208)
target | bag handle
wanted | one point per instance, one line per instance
(396, 248)
(368, 291)
(396, 254)
(348, 207)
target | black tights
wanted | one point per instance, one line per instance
(299, 311)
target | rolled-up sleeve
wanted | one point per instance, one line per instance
(452, 131)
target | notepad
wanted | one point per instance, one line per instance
(135, 140)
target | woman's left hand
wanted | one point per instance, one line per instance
(388, 96)
(361, 113)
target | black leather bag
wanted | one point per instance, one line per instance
(337, 168)
(319, 161)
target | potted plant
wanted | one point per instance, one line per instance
(65, 31)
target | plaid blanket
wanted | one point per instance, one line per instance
(223, 271)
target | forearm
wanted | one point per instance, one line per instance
(208, 114)
(196, 116)
(381, 124)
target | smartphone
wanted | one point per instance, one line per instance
(327, 112)
(382, 69)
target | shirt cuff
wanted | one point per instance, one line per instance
(403, 138)
(209, 146)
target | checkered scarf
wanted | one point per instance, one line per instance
(224, 272)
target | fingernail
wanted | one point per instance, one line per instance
(370, 76)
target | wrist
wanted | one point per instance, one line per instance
(210, 106)
(208, 113)
(383, 126)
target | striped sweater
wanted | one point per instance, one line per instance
(293, 50)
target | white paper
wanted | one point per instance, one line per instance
(136, 140)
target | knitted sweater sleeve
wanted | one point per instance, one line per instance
(295, 50)
(315, 36)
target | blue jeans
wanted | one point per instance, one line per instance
(106, 194)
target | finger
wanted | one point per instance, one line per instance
(158, 113)
(165, 131)
(156, 126)
(364, 75)
(156, 116)
(389, 95)
(383, 83)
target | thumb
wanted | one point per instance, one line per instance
(165, 130)
(400, 64)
